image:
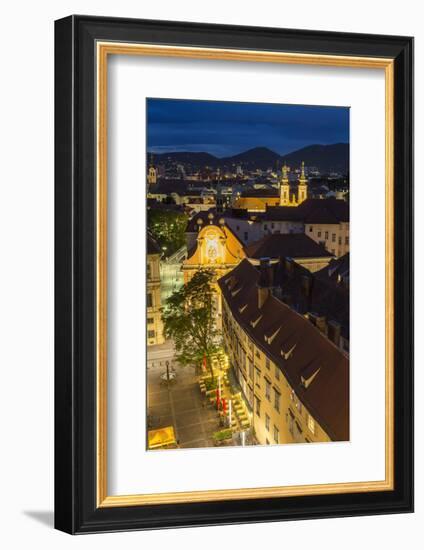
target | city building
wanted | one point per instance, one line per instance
(285, 194)
(326, 221)
(297, 246)
(288, 197)
(215, 247)
(294, 379)
(153, 294)
(152, 174)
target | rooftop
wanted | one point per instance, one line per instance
(294, 245)
(327, 396)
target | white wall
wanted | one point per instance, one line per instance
(26, 277)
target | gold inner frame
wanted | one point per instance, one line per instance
(104, 49)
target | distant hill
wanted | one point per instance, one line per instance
(326, 158)
(195, 159)
(258, 157)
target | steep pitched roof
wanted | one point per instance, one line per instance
(323, 211)
(326, 396)
(294, 245)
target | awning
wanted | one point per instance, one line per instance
(161, 437)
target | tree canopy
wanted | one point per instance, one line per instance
(168, 228)
(189, 318)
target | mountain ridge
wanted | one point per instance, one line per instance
(326, 158)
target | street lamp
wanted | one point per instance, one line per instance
(167, 371)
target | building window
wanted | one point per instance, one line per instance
(277, 373)
(276, 400)
(276, 434)
(267, 363)
(326, 236)
(272, 226)
(258, 355)
(150, 333)
(258, 406)
(267, 421)
(310, 229)
(257, 378)
(333, 238)
(267, 389)
(150, 320)
(149, 299)
(340, 240)
(149, 270)
(250, 369)
(346, 240)
(311, 424)
(319, 234)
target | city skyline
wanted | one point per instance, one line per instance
(224, 128)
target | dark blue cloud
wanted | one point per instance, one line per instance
(226, 128)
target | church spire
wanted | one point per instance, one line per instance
(302, 194)
(284, 187)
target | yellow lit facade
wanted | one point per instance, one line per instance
(287, 198)
(152, 176)
(153, 298)
(278, 415)
(217, 249)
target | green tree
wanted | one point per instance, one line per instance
(168, 228)
(189, 319)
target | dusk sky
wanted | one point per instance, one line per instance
(225, 128)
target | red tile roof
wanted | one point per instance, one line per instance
(327, 396)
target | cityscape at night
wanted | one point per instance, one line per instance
(247, 274)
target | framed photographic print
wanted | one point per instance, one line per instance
(233, 274)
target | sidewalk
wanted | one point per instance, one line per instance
(181, 406)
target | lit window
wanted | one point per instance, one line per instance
(267, 421)
(311, 424)
(258, 407)
(267, 390)
(276, 400)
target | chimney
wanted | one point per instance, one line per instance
(289, 265)
(334, 330)
(266, 276)
(306, 285)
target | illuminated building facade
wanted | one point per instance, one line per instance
(292, 375)
(153, 295)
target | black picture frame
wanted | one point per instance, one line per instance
(75, 275)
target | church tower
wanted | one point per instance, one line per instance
(152, 176)
(285, 188)
(302, 189)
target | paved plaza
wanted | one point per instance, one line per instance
(181, 405)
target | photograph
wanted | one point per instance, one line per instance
(247, 274)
